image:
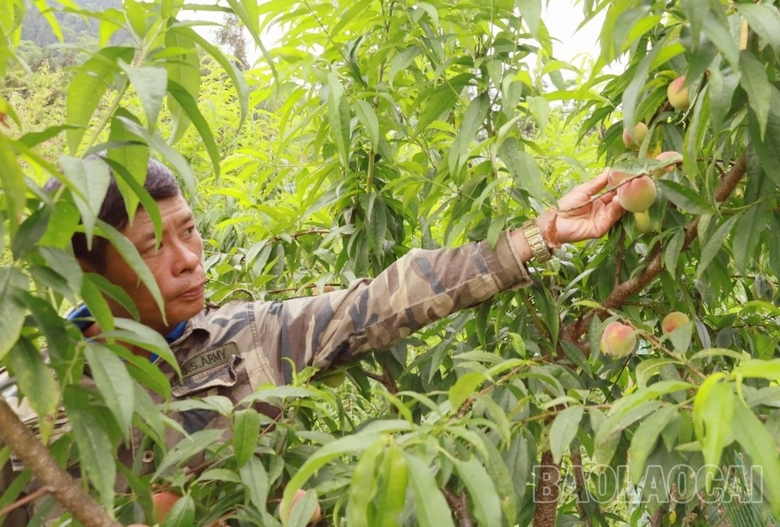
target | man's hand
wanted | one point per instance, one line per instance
(579, 216)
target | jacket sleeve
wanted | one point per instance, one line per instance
(372, 314)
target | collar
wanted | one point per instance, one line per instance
(82, 317)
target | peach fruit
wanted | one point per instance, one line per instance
(678, 95)
(667, 156)
(640, 132)
(316, 515)
(673, 320)
(162, 504)
(616, 176)
(642, 221)
(618, 340)
(637, 195)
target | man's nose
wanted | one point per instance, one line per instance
(185, 257)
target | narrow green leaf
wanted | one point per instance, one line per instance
(482, 491)
(242, 90)
(143, 336)
(184, 70)
(768, 148)
(91, 177)
(363, 485)
(717, 30)
(150, 82)
(367, 117)
(714, 244)
(564, 430)
(464, 388)
(95, 454)
(762, 449)
(645, 438)
(188, 447)
(531, 11)
(720, 92)
(524, 168)
(392, 496)
(686, 198)
(113, 383)
(35, 381)
(473, 120)
(182, 514)
(377, 227)
(759, 91)
(246, 431)
(87, 88)
(339, 117)
(188, 103)
(432, 509)
(713, 408)
(255, 479)
(502, 478)
(764, 19)
(747, 234)
(133, 158)
(637, 86)
(130, 255)
(12, 180)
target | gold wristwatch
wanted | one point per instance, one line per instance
(541, 254)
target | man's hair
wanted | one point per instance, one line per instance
(160, 184)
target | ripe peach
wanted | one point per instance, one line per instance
(678, 95)
(673, 320)
(616, 176)
(637, 195)
(618, 340)
(162, 503)
(667, 156)
(642, 221)
(316, 515)
(640, 132)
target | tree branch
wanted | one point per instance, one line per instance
(37, 458)
(459, 506)
(635, 284)
(547, 492)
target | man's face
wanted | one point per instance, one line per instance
(176, 265)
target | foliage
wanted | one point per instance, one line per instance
(373, 127)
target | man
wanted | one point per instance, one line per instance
(233, 349)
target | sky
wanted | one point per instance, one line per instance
(561, 18)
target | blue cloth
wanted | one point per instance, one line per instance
(82, 312)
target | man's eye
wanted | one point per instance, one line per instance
(190, 230)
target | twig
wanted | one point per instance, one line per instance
(579, 480)
(27, 499)
(459, 506)
(547, 492)
(37, 458)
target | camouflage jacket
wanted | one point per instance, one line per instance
(233, 349)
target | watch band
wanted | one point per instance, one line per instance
(541, 253)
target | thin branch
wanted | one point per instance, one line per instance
(579, 480)
(41, 492)
(37, 458)
(547, 492)
(459, 505)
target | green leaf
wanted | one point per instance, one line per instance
(188, 103)
(764, 19)
(717, 30)
(246, 431)
(439, 100)
(747, 234)
(759, 91)
(482, 491)
(364, 484)
(12, 179)
(188, 447)
(242, 90)
(150, 82)
(531, 11)
(143, 336)
(768, 148)
(464, 388)
(87, 88)
(762, 449)
(720, 91)
(636, 87)
(714, 244)
(339, 117)
(95, 454)
(148, 411)
(686, 198)
(255, 479)
(431, 507)
(564, 430)
(133, 158)
(524, 168)
(36, 382)
(11, 314)
(713, 408)
(130, 255)
(184, 70)
(30, 232)
(63, 223)
(391, 498)
(367, 117)
(113, 383)
(472, 122)
(182, 514)
(377, 226)
(649, 367)
(645, 438)
(91, 178)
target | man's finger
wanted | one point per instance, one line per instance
(596, 184)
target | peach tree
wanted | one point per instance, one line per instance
(362, 130)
